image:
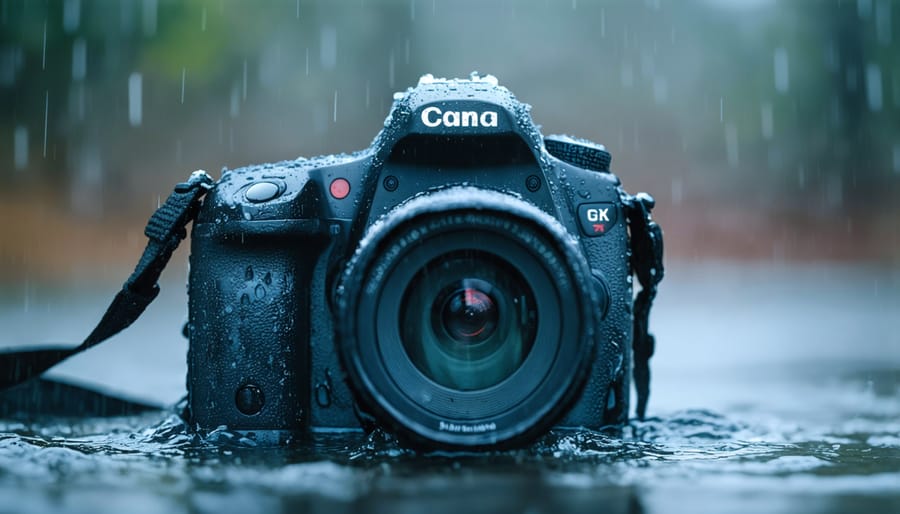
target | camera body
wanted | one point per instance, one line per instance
(306, 311)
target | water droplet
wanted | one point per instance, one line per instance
(782, 70)
(874, 94)
(248, 273)
(71, 15)
(20, 147)
(135, 99)
(260, 292)
(328, 47)
(149, 16)
(79, 59)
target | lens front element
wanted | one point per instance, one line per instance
(469, 315)
(468, 320)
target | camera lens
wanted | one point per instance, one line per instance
(467, 320)
(469, 315)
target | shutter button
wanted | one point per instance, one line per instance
(261, 192)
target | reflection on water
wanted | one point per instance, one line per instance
(797, 373)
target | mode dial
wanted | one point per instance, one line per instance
(580, 152)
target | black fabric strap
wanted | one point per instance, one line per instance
(647, 263)
(165, 231)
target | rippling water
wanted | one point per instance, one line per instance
(798, 377)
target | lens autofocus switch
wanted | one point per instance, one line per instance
(469, 315)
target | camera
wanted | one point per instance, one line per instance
(463, 283)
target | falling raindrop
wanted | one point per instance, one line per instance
(71, 15)
(203, 19)
(183, 78)
(334, 110)
(149, 16)
(873, 87)
(782, 70)
(602, 22)
(11, 60)
(307, 62)
(20, 147)
(767, 120)
(864, 8)
(391, 69)
(328, 47)
(721, 109)
(235, 104)
(44, 48)
(895, 88)
(368, 94)
(79, 59)
(244, 90)
(896, 158)
(883, 22)
(412, 10)
(135, 99)
(46, 117)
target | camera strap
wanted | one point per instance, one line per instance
(165, 230)
(647, 263)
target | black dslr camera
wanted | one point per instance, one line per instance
(462, 283)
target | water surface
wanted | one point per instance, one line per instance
(776, 389)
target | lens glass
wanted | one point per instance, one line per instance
(468, 320)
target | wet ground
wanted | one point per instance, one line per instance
(776, 388)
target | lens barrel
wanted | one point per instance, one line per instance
(466, 320)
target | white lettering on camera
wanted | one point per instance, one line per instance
(434, 117)
(467, 429)
(598, 214)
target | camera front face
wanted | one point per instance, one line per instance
(474, 306)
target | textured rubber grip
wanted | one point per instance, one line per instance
(580, 152)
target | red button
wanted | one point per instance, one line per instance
(340, 188)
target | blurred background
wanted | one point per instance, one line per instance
(766, 130)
